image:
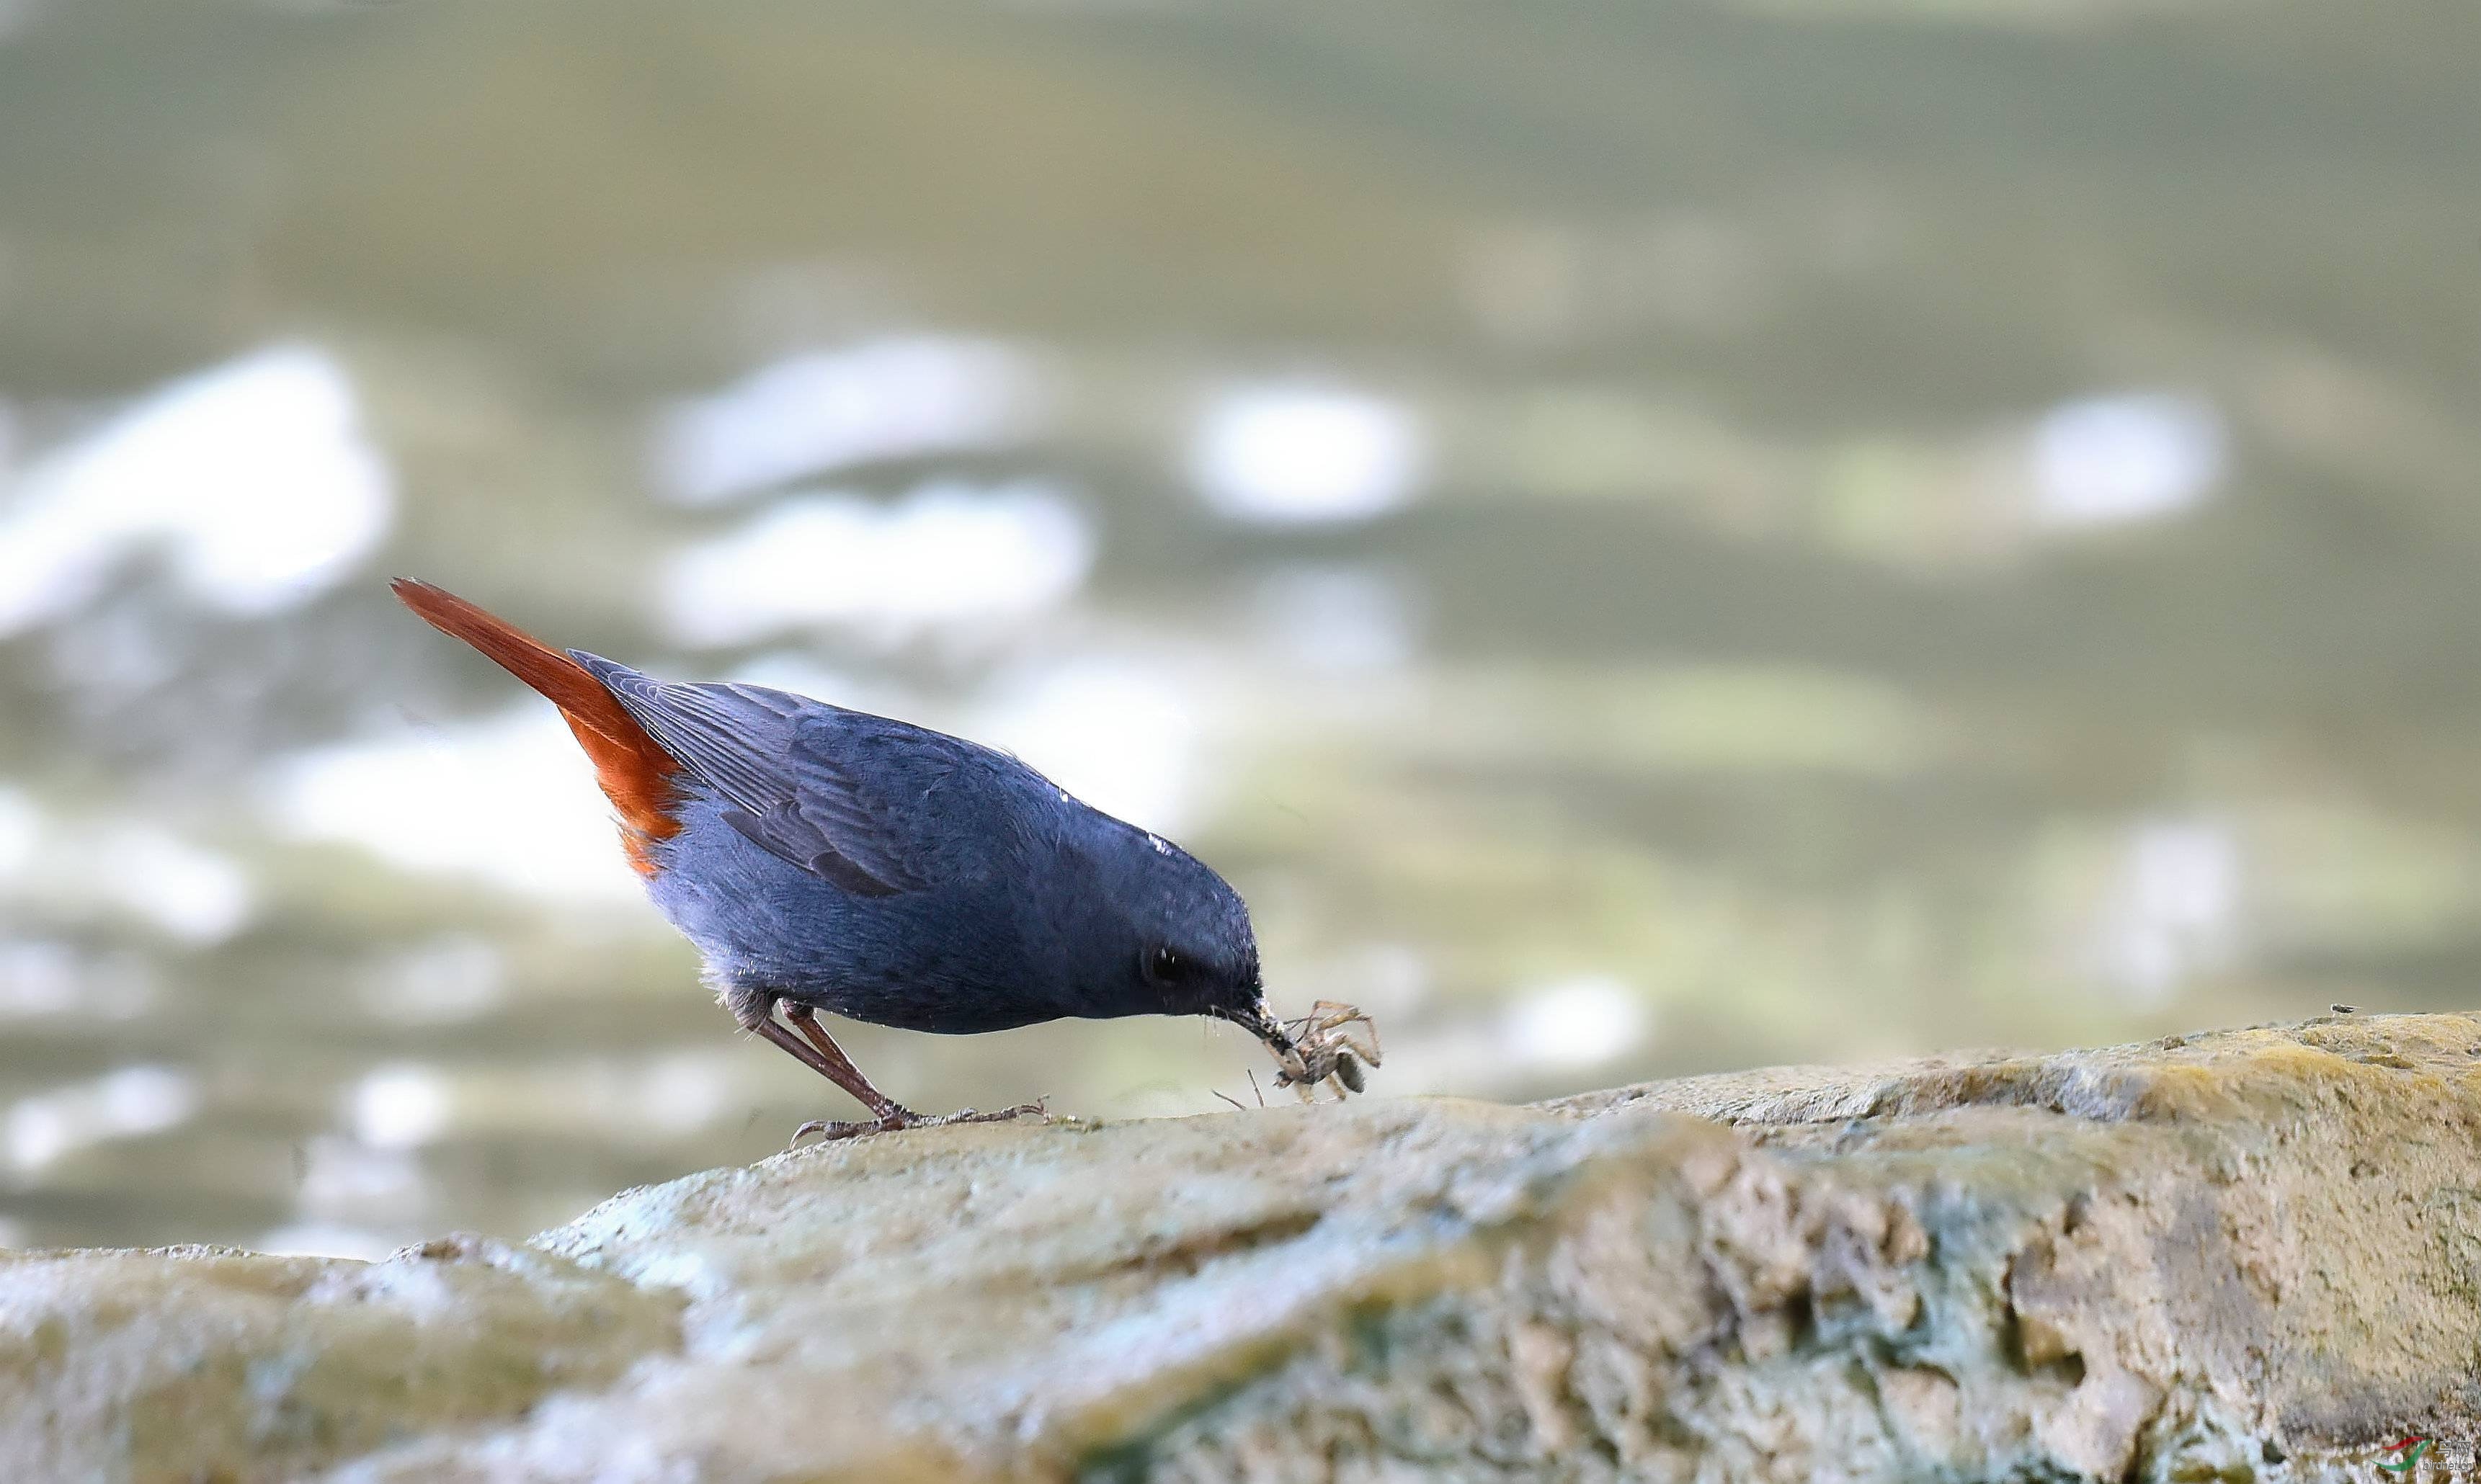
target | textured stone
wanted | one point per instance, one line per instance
(2253, 1253)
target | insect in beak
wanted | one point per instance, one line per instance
(1331, 1045)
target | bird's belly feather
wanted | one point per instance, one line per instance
(942, 958)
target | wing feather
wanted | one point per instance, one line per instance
(789, 767)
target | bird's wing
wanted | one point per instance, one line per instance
(789, 768)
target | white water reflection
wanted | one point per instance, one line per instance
(1577, 1023)
(950, 553)
(506, 799)
(452, 978)
(44, 977)
(1385, 979)
(1338, 619)
(1120, 733)
(399, 1105)
(2118, 460)
(73, 867)
(1303, 454)
(21, 828)
(2171, 910)
(196, 894)
(1552, 1031)
(681, 1093)
(127, 1103)
(39, 977)
(324, 1239)
(350, 1184)
(825, 410)
(255, 477)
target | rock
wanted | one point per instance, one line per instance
(2253, 1253)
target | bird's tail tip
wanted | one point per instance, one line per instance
(633, 768)
(424, 598)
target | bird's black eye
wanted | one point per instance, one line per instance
(1165, 967)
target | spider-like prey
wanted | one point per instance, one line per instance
(1328, 1047)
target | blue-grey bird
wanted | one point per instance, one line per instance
(826, 859)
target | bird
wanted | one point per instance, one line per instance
(825, 859)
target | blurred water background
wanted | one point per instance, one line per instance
(1645, 539)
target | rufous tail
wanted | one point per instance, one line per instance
(635, 774)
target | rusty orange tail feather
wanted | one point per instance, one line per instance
(634, 772)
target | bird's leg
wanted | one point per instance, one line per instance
(831, 1058)
(886, 1113)
(841, 1072)
(755, 1009)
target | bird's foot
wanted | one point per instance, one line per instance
(897, 1117)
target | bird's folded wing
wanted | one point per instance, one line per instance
(774, 757)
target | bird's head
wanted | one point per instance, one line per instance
(1176, 938)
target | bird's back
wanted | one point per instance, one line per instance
(862, 864)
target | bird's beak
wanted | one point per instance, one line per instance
(1259, 1022)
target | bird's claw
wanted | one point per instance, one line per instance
(895, 1118)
